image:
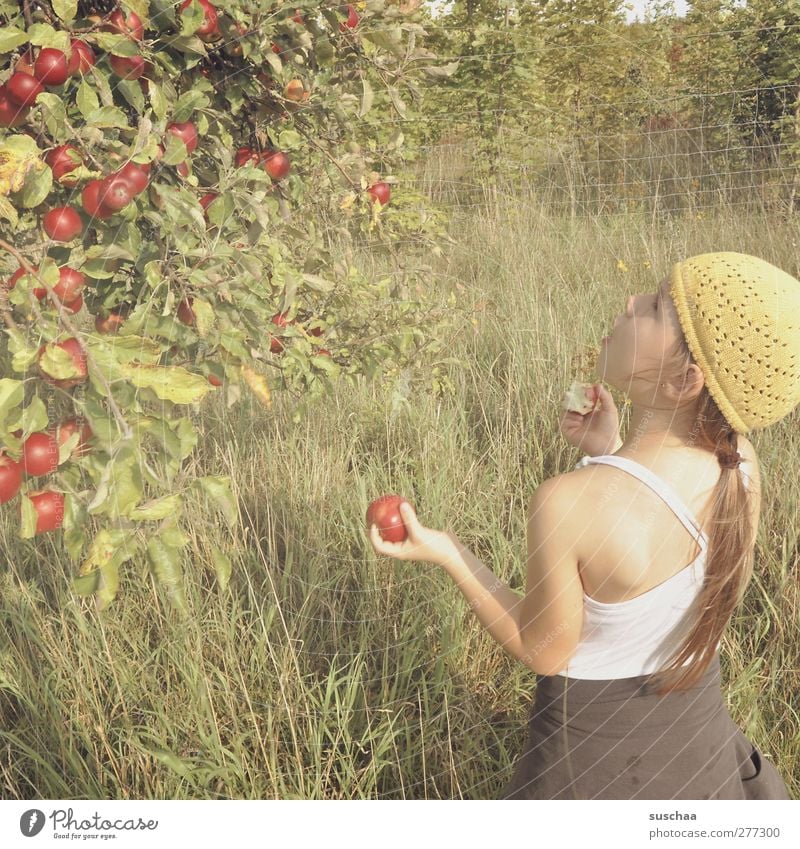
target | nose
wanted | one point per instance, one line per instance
(629, 307)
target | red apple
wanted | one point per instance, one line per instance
(51, 67)
(62, 160)
(11, 113)
(380, 192)
(82, 58)
(64, 430)
(39, 454)
(25, 62)
(128, 67)
(183, 169)
(20, 272)
(91, 200)
(209, 28)
(137, 176)
(130, 25)
(185, 311)
(62, 224)
(213, 380)
(73, 306)
(276, 164)
(23, 89)
(245, 155)
(10, 478)
(110, 323)
(49, 508)
(385, 513)
(114, 193)
(73, 347)
(186, 132)
(70, 284)
(352, 19)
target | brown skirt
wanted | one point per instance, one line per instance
(621, 741)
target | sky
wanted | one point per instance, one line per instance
(637, 12)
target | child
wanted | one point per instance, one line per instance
(628, 703)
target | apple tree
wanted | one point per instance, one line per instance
(171, 177)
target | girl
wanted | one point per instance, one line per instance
(637, 558)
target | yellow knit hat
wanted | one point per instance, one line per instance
(741, 319)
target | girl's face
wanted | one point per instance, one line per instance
(640, 340)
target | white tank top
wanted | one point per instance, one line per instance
(636, 636)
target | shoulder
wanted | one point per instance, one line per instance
(561, 492)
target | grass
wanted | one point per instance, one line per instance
(324, 671)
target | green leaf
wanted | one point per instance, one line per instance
(218, 488)
(27, 525)
(397, 101)
(317, 283)
(165, 562)
(11, 395)
(43, 35)
(158, 101)
(11, 38)
(175, 151)
(204, 313)
(367, 97)
(65, 9)
(86, 98)
(132, 92)
(222, 566)
(38, 183)
(113, 42)
(187, 103)
(107, 116)
(290, 140)
(58, 363)
(55, 115)
(169, 383)
(221, 209)
(157, 508)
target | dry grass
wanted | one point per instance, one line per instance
(325, 672)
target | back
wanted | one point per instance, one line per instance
(642, 561)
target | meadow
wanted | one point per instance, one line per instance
(323, 671)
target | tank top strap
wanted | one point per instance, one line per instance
(659, 486)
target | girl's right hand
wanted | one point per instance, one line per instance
(596, 432)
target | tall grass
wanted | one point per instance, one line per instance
(324, 671)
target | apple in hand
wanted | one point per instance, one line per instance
(385, 513)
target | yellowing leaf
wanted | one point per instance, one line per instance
(100, 552)
(170, 383)
(15, 162)
(258, 385)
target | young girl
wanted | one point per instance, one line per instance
(637, 558)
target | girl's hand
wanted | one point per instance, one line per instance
(596, 432)
(421, 543)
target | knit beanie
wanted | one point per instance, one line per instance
(741, 319)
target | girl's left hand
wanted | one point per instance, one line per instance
(421, 543)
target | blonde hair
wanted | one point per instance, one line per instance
(730, 555)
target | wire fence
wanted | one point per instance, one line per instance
(682, 158)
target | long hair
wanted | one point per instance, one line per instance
(730, 555)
